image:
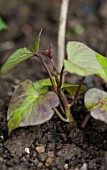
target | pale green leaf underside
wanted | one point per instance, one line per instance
(96, 102)
(17, 57)
(83, 61)
(27, 107)
(43, 85)
(71, 89)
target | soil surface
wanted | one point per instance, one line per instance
(54, 145)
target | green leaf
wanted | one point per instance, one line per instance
(3, 25)
(27, 107)
(37, 43)
(103, 61)
(44, 82)
(96, 102)
(71, 89)
(43, 85)
(40, 88)
(83, 61)
(17, 57)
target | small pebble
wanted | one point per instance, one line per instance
(1, 137)
(27, 150)
(16, 160)
(64, 137)
(40, 165)
(1, 159)
(36, 161)
(84, 167)
(40, 149)
(65, 166)
(42, 157)
(48, 162)
(51, 154)
(23, 159)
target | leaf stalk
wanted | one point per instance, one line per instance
(48, 71)
(77, 91)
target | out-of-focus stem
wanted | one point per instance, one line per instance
(61, 77)
(61, 33)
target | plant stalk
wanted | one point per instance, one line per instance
(61, 78)
(63, 97)
(50, 56)
(77, 91)
(83, 124)
(48, 71)
(66, 105)
(61, 117)
(61, 33)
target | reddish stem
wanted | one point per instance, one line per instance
(77, 91)
(48, 71)
(49, 54)
(83, 124)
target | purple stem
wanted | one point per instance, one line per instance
(48, 71)
(51, 58)
(83, 124)
(78, 90)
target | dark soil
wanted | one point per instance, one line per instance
(54, 145)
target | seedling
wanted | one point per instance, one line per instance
(33, 103)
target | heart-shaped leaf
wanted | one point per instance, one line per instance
(27, 107)
(17, 57)
(41, 86)
(83, 61)
(96, 102)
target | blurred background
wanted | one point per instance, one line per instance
(25, 18)
(21, 21)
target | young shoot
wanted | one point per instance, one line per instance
(34, 103)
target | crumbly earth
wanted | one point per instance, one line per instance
(54, 145)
